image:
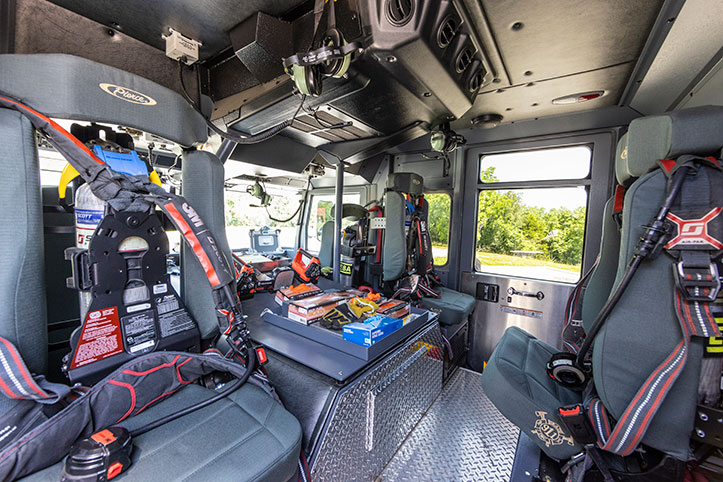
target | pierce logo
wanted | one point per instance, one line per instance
(192, 215)
(694, 232)
(94, 315)
(126, 94)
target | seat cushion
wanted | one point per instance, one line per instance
(245, 436)
(516, 381)
(455, 306)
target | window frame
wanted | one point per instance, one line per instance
(449, 228)
(597, 183)
(303, 232)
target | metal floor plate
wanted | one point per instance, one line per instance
(462, 437)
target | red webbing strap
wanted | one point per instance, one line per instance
(17, 382)
(89, 166)
(695, 320)
(619, 197)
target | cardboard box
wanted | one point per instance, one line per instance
(371, 331)
(308, 310)
(394, 308)
(298, 292)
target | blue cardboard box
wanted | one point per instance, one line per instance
(372, 330)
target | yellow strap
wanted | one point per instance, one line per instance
(69, 173)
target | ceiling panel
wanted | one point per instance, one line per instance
(535, 100)
(204, 20)
(694, 39)
(561, 37)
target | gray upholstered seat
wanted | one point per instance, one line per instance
(641, 331)
(247, 435)
(454, 306)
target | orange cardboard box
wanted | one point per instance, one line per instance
(298, 292)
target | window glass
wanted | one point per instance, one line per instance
(532, 233)
(244, 214)
(537, 165)
(320, 213)
(440, 209)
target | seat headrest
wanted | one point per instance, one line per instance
(621, 164)
(697, 131)
(354, 211)
(408, 182)
(75, 88)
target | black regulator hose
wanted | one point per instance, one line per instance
(237, 138)
(250, 368)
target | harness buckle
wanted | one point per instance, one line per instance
(574, 420)
(692, 280)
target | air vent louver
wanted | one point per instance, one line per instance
(399, 12)
(447, 31)
(464, 59)
(476, 81)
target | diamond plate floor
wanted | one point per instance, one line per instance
(462, 437)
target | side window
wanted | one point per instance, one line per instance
(529, 229)
(322, 206)
(440, 211)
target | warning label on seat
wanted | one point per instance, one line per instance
(100, 337)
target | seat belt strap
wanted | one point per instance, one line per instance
(571, 342)
(18, 383)
(692, 307)
(618, 205)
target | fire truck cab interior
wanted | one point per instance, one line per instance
(361, 240)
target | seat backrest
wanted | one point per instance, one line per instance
(22, 278)
(394, 252)
(643, 329)
(203, 188)
(349, 211)
(602, 278)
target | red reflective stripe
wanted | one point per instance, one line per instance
(713, 160)
(58, 128)
(178, 370)
(156, 399)
(7, 390)
(641, 392)
(663, 391)
(19, 364)
(140, 374)
(619, 197)
(133, 397)
(194, 242)
(668, 164)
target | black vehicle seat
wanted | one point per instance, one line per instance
(352, 212)
(454, 306)
(245, 436)
(643, 328)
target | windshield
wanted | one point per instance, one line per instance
(245, 213)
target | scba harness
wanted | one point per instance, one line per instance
(421, 279)
(39, 414)
(689, 228)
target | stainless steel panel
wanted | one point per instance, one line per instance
(463, 437)
(542, 318)
(375, 413)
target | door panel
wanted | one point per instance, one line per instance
(542, 316)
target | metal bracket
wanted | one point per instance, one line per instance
(378, 223)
